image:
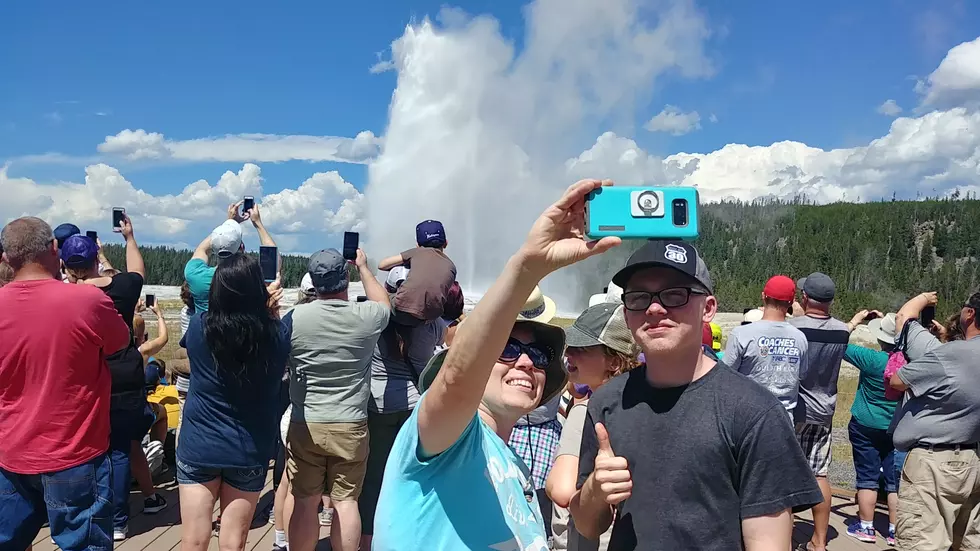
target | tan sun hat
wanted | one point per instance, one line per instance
(538, 310)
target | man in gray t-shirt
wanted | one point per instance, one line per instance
(332, 340)
(771, 352)
(939, 423)
(827, 339)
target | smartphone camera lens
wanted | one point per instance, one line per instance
(679, 212)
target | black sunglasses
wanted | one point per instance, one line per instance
(540, 355)
(674, 297)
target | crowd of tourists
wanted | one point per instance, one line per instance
(402, 422)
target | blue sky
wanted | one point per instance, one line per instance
(74, 73)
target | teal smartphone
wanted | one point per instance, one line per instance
(633, 212)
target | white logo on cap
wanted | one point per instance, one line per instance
(676, 254)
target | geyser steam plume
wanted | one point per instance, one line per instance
(481, 138)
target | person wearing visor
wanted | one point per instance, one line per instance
(451, 481)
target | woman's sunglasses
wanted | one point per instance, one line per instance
(540, 355)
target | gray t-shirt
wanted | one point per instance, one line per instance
(826, 342)
(771, 353)
(392, 378)
(332, 342)
(942, 403)
(919, 341)
(570, 444)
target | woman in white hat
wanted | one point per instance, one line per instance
(871, 414)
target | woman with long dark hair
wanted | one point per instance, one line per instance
(237, 351)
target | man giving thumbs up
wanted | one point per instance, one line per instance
(611, 478)
(704, 458)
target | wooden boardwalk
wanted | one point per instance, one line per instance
(161, 532)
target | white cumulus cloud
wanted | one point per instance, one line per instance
(323, 205)
(889, 108)
(957, 79)
(674, 121)
(270, 148)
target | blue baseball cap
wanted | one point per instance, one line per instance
(79, 251)
(430, 233)
(64, 231)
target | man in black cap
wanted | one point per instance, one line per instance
(827, 339)
(718, 465)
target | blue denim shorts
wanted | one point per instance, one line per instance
(874, 457)
(246, 480)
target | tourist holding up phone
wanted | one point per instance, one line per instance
(501, 366)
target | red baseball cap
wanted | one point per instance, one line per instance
(780, 288)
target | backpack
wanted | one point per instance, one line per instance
(896, 360)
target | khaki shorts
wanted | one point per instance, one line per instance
(939, 501)
(327, 458)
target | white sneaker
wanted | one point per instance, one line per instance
(326, 517)
(119, 534)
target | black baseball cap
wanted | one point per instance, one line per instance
(677, 255)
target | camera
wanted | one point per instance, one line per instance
(679, 211)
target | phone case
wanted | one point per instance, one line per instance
(613, 211)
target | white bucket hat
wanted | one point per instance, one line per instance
(883, 328)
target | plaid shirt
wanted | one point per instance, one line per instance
(537, 445)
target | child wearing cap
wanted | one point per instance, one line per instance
(422, 295)
(600, 347)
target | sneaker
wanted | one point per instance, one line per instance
(272, 514)
(891, 538)
(867, 535)
(326, 517)
(279, 547)
(119, 534)
(154, 504)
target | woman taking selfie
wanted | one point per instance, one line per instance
(237, 351)
(600, 347)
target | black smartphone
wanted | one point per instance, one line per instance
(351, 243)
(928, 314)
(361, 298)
(248, 202)
(93, 235)
(268, 261)
(118, 216)
(150, 300)
(871, 316)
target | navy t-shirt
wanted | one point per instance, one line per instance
(229, 423)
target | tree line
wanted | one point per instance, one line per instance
(879, 254)
(165, 265)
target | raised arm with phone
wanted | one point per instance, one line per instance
(504, 361)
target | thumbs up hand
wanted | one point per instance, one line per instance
(611, 472)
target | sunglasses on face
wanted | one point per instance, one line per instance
(540, 355)
(674, 297)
